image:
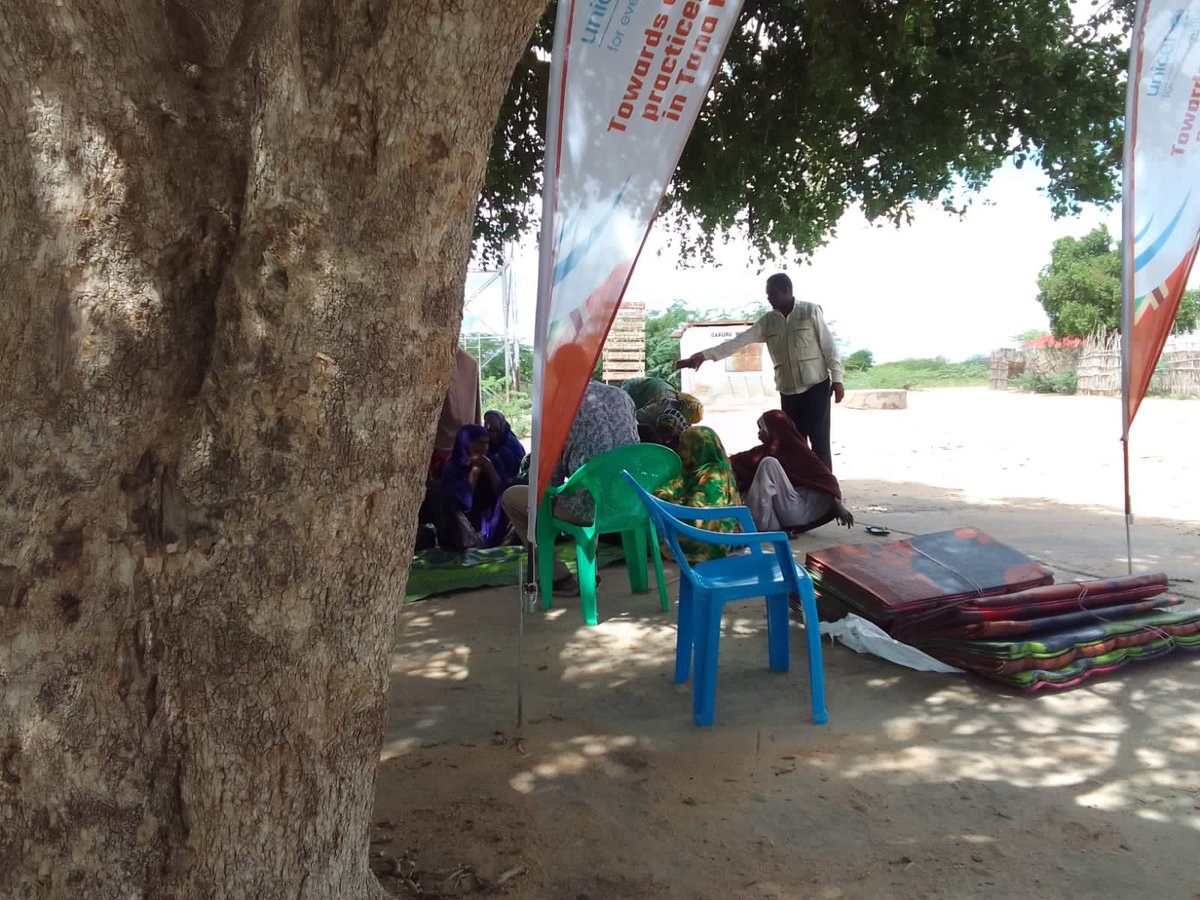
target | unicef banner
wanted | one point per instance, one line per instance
(628, 78)
(1161, 203)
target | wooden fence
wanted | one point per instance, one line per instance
(1097, 367)
(624, 352)
(1004, 364)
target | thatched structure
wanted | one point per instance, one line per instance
(1097, 366)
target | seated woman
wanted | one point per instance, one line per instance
(504, 450)
(706, 480)
(470, 495)
(785, 484)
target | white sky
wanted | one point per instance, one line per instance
(939, 287)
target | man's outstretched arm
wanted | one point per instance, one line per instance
(752, 335)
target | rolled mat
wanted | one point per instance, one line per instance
(1047, 624)
(1059, 641)
(969, 655)
(1082, 669)
(1038, 602)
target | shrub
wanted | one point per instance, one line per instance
(1058, 383)
(859, 361)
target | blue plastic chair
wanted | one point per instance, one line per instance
(617, 510)
(705, 588)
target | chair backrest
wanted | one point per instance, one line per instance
(649, 465)
(671, 529)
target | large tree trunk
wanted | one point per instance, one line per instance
(233, 239)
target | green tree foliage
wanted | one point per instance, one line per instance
(488, 350)
(1080, 288)
(820, 105)
(495, 388)
(859, 361)
(662, 350)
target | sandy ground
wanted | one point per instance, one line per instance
(920, 786)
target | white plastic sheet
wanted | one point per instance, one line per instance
(863, 636)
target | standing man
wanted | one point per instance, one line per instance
(807, 367)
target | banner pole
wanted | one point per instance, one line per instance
(522, 595)
(1128, 506)
(1127, 262)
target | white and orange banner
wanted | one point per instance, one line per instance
(1161, 202)
(628, 78)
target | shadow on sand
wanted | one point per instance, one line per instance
(921, 786)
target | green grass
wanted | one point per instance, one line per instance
(921, 373)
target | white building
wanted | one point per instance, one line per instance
(748, 374)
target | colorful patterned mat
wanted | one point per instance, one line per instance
(436, 572)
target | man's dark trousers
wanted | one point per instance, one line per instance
(810, 413)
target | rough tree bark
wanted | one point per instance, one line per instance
(233, 238)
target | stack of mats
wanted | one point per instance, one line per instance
(975, 603)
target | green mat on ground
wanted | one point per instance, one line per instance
(442, 571)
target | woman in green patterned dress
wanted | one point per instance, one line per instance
(706, 480)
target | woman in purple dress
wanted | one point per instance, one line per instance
(471, 487)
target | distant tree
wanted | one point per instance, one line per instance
(859, 361)
(488, 349)
(1081, 288)
(661, 349)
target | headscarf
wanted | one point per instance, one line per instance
(506, 455)
(692, 409)
(647, 390)
(604, 420)
(803, 468)
(670, 423)
(651, 396)
(705, 481)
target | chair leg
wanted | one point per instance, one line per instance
(634, 544)
(778, 651)
(816, 666)
(585, 554)
(658, 570)
(704, 684)
(685, 631)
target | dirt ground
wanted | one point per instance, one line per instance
(920, 786)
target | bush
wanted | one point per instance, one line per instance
(859, 361)
(1058, 383)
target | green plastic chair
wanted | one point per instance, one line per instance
(618, 509)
